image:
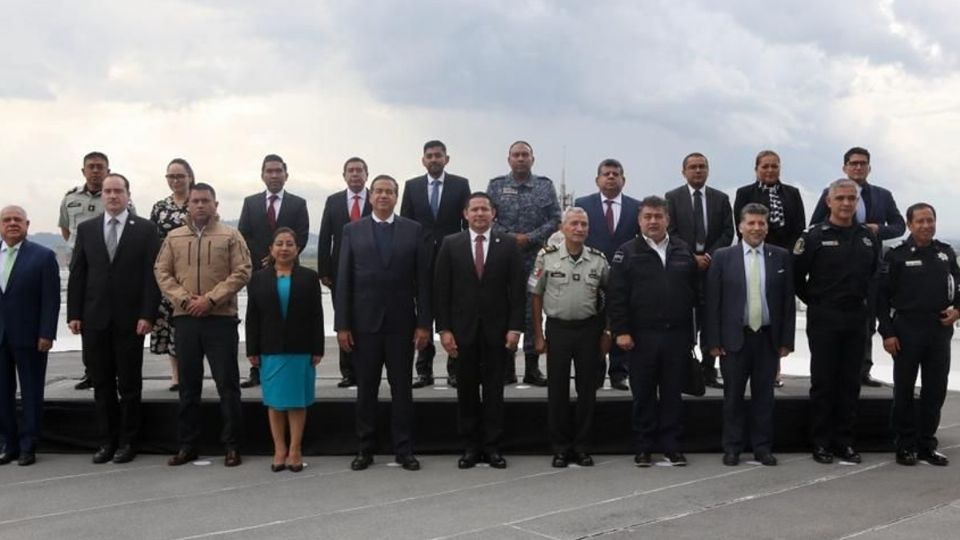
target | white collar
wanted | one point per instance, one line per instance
(616, 200)
(748, 249)
(693, 190)
(121, 217)
(651, 243)
(378, 220)
(5, 248)
(279, 194)
(441, 178)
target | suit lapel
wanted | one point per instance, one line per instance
(866, 194)
(445, 198)
(274, 296)
(129, 230)
(18, 264)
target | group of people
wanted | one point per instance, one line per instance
(641, 281)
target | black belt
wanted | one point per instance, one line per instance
(570, 323)
(749, 331)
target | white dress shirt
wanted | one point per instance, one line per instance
(276, 205)
(363, 200)
(378, 220)
(660, 248)
(765, 318)
(486, 243)
(430, 179)
(121, 219)
(617, 206)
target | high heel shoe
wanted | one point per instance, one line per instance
(295, 467)
(277, 467)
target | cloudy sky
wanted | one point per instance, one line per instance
(223, 83)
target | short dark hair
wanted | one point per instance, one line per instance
(126, 183)
(96, 155)
(183, 163)
(396, 186)
(433, 144)
(479, 195)
(693, 154)
(855, 150)
(358, 160)
(203, 186)
(610, 162)
(919, 206)
(653, 201)
(528, 145)
(756, 209)
(272, 157)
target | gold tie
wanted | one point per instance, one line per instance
(754, 290)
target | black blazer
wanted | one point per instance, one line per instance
(880, 209)
(597, 235)
(30, 305)
(719, 217)
(256, 230)
(449, 220)
(267, 331)
(463, 303)
(727, 298)
(335, 216)
(376, 297)
(794, 217)
(101, 292)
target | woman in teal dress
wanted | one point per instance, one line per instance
(284, 326)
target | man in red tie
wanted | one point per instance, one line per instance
(341, 208)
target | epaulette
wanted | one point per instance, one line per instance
(595, 251)
(549, 249)
(72, 190)
(547, 178)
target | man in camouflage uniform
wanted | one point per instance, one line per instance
(527, 208)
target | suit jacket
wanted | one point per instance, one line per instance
(598, 236)
(30, 305)
(727, 297)
(464, 303)
(880, 209)
(268, 332)
(449, 220)
(335, 216)
(101, 293)
(794, 217)
(719, 217)
(256, 229)
(376, 297)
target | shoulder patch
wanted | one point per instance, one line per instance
(594, 251)
(618, 256)
(799, 246)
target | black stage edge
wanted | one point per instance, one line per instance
(70, 424)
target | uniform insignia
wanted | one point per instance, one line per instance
(618, 256)
(91, 208)
(74, 204)
(557, 274)
(830, 243)
(913, 263)
(943, 256)
(550, 249)
(797, 248)
(576, 277)
(538, 272)
(594, 251)
(867, 241)
(509, 191)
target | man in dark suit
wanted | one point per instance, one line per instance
(29, 307)
(750, 322)
(262, 213)
(436, 201)
(112, 299)
(341, 208)
(787, 218)
(614, 219)
(701, 217)
(479, 306)
(878, 211)
(382, 312)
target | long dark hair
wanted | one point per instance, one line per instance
(276, 233)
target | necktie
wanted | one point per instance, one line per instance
(754, 290)
(435, 197)
(8, 266)
(112, 238)
(699, 228)
(608, 215)
(272, 212)
(478, 256)
(355, 209)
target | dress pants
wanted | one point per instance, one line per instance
(619, 364)
(924, 346)
(216, 338)
(757, 360)
(578, 341)
(836, 338)
(30, 366)
(371, 352)
(425, 358)
(658, 365)
(480, 366)
(115, 357)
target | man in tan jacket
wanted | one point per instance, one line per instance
(200, 268)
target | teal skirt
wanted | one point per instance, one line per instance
(288, 381)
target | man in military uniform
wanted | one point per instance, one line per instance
(653, 288)
(917, 305)
(835, 262)
(565, 283)
(527, 208)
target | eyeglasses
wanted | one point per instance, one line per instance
(176, 177)
(858, 163)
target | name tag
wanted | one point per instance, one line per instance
(509, 191)
(557, 274)
(830, 243)
(913, 263)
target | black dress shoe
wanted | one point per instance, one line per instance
(408, 462)
(468, 460)
(232, 459)
(619, 384)
(27, 459)
(361, 462)
(8, 457)
(730, 459)
(124, 454)
(277, 467)
(346, 382)
(535, 379)
(175, 387)
(712, 382)
(559, 461)
(182, 457)
(643, 459)
(84, 384)
(867, 380)
(104, 454)
(677, 459)
(422, 381)
(848, 454)
(295, 467)
(822, 455)
(510, 379)
(583, 459)
(766, 459)
(495, 459)
(933, 457)
(906, 457)
(251, 382)
(452, 381)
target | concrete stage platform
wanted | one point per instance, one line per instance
(70, 424)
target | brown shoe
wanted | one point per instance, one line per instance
(182, 457)
(232, 459)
